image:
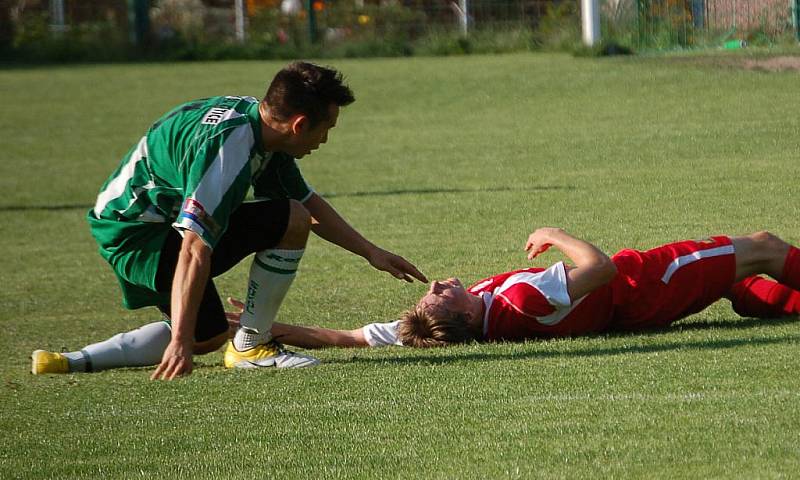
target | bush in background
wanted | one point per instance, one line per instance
(33, 41)
(191, 30)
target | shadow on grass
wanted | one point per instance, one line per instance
(378, 193)
(44, 208)
(444, 358)
(738, 324)
(429, 191)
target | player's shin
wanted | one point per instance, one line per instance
(762, 298)
(271, 275)
(141, 347)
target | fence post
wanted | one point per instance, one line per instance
(139, 21)
(641, 21)
(240, 14)
(462, 5)
(590, 14)
(796, 18)
(698, 13)
(57, 24)
(312, 21)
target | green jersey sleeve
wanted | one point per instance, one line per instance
(281, 179)
(217, 178)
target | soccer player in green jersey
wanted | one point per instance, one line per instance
(173, 216)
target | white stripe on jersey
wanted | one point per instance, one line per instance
(487, 305)
(551, 283)
(150, 214)
(693, 257)
(117, 186)
(233, 155)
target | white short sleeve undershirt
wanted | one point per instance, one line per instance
(381, 334)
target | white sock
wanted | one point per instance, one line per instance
(76, 361)
(138, 348)
(271, 275)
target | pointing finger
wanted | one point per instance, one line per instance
(411, 270)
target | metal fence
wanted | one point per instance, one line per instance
(275, 24)
(699, 23)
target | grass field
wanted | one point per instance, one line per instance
(450, 162)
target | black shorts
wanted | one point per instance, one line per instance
(253, 227)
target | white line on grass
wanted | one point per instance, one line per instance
(665, 397)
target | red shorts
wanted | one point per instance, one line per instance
(655, 288)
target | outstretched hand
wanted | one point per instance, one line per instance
(396, 265)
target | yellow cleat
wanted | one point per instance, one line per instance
(270, 354)
(43, 362)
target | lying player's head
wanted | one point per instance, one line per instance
(303, 88)
(443, 316)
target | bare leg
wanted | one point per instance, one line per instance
(760, 252)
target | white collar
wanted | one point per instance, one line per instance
(487, 304)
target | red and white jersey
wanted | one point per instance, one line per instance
(652, 289)
(534, 303)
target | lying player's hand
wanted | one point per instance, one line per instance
(396, 265)
(539, 241)
(177, 361)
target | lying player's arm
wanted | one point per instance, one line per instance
(592, 268)
(303, 337)
(317, 337)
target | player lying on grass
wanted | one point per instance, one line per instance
(633, 290)
(173, 216)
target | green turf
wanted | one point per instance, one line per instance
(450, 162)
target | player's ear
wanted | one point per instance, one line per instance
(299, 124)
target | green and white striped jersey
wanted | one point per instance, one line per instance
(191, 170)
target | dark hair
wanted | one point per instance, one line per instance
(420, 329)
(308, 89)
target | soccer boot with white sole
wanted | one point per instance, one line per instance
(43, 362)
(271, 354)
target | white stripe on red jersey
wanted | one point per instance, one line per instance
(684, 260)
(527, 295)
